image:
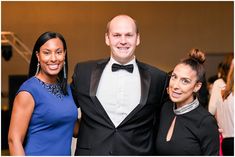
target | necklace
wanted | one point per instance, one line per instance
(54, 89)
(186, 108)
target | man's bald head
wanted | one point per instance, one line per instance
(121, 17)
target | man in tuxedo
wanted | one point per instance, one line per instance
(120, 97)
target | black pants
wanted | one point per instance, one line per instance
(228, 146)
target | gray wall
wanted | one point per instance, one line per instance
(168, 29)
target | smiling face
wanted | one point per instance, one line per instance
(122, 38)
(182, 84)
(51, 58)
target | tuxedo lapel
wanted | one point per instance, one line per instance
(96, 75)
(145, 80)
(145, 83)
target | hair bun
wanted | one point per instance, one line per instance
(197, 55)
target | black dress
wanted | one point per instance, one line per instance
(195, 133)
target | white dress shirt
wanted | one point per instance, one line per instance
(119, 92)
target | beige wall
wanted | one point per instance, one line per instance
(168, 29)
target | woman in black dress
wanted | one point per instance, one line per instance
(186, 128)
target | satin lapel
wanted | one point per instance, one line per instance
(145, 84)
(96, 75)
(145, 80)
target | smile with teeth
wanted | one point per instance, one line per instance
(123, 48)
(53, 66)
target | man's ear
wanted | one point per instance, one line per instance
(107, 39)
(138, 39)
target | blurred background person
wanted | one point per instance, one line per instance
(225, 114)
(219, 84)
(213, 78)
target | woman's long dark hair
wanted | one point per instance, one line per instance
(34, 61)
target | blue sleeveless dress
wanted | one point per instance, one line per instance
(51, 126)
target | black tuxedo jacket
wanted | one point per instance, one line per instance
(135, 135)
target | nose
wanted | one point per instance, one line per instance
(174, 84)
(53, 57)
(123, 40)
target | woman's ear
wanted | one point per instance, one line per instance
(37, 54)
(65, 53)
(197, 87)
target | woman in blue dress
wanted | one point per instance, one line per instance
(44, 114)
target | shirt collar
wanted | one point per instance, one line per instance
(112, 60)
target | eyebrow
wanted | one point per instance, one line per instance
(182, 77)
(122, 33)
(46, 49)
(186, 78)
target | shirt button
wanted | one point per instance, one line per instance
(110, 152)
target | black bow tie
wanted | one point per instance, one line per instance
(116, 67)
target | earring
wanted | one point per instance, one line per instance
(38, 67)
(64, 70)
